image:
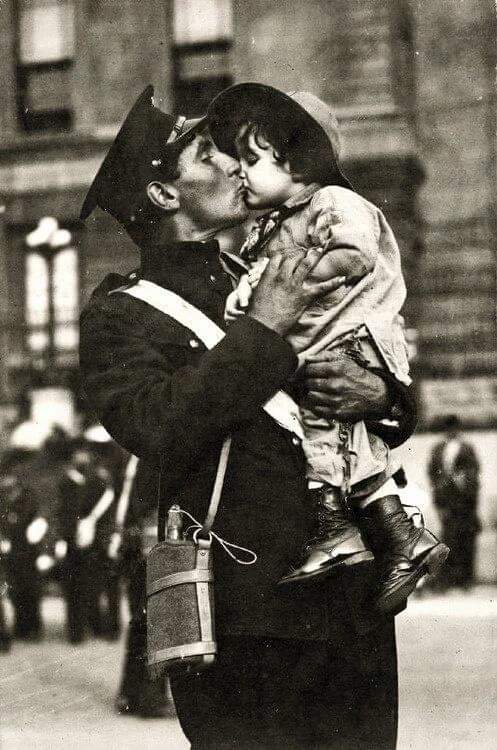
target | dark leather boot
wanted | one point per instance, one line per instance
(338, 542)
(408, 552)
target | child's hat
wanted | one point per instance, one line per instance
(299, 111)
(145, 146)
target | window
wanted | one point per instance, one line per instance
(51, 294)
(203, 30)
(45, 51)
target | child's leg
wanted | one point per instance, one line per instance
(338, 541)
(407, 552)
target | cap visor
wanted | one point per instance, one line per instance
(105, 173)
(190, 129)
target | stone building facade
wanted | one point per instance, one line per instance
(413, 83)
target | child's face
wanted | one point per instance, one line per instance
(267, 181)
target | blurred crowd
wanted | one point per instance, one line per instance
(66, 522)
(77, 517)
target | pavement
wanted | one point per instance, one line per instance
(54, 695)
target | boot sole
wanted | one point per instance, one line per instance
(429, 565)
(358, 559)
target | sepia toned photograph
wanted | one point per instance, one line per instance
(248, 374)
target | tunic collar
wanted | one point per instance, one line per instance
(303, 196)
(192, 270)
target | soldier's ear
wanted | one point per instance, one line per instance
(163, 195)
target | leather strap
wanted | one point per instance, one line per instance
(218, 486)
(182, 652)
(176, 579)
(281, 407)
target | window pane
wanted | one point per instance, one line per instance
(48, 90)
(66, 286)
(202, 21)
(66, 336)
(37, 290)
(38, 340)
(193, 97)
(203, 65)
(46, 31)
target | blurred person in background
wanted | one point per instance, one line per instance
(109, 463)
(29, 523)
(23, 526)
(135, 534)
(84, 498)
(4, 631)
(454, 474)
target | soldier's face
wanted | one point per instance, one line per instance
(210, 189)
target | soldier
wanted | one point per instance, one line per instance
(109, 461)
(454, 474)
(136, 532)
(170, 401)
(22, 528)
(84, 499)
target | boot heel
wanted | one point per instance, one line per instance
(436, 558)
(361, 558)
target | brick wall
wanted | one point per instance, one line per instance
(129, 48)
(455, 110)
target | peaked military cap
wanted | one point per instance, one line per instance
(145, 149)
(298, 111)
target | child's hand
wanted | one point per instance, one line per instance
(256, 271)
(238, 301)
(322, 234)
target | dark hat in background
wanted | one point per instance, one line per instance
(299, 111)
(146, 148)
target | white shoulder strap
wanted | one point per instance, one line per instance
(177, 308)
(280, 407)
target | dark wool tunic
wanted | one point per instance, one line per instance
(166, 399)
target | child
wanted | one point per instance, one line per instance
(288, 151)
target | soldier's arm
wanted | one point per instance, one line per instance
(150, 397)
(348, 228)
(337, 387)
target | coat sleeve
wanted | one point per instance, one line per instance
(153, 404)
(349, 229)
(400, 423)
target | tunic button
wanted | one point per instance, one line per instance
(194, 343)
(295, 441)
(212, 278)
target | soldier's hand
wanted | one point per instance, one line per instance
(339, 388)
(85, 533)
(36, 530)
(44, 563)
(60, 549)
(5, 546)
(114, 545)
(285, 290)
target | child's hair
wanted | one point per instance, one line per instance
(307, 153)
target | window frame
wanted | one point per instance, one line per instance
(49, 120)
(180, 85)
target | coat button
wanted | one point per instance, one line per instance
(295, 441)
(194, 343)
(212, 278)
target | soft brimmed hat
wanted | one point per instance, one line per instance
(298, 111)
(147, 145)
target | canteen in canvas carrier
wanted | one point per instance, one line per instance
(180, 601)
